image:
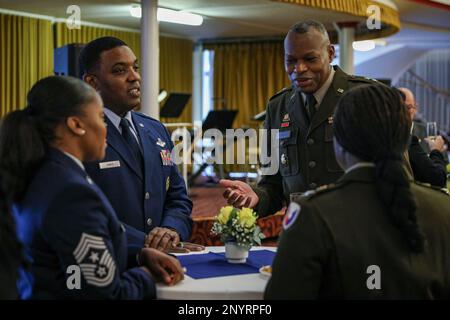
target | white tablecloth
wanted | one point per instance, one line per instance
(239, 287)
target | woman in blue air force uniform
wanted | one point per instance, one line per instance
(75, 244)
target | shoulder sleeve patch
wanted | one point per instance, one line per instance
(291, 215)
(429, 186)
(95, 261)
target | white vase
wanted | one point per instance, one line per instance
(235, 253)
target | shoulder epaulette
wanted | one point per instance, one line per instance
(280, 92)
(321, 190)
(145, 116)
(429, 186)
(363, 79)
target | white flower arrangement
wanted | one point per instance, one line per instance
(238, 225)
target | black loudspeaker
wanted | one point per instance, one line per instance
(66, 60)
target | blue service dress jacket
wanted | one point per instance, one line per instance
(69, 228)
(154, 196)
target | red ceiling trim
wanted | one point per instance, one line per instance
(433, 4)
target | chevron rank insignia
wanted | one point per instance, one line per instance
(291, 215)
(95, 261)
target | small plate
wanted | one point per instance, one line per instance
(266, 271)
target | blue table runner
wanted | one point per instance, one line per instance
(210, 265)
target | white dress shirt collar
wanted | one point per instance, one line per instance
(115, 119)
(77, 161)
(320, 94)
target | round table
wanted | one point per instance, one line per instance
(236, 287)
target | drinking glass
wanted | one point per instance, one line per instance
(431, 130)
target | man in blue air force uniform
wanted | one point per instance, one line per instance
(137, 174)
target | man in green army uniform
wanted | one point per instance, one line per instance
(303, 114)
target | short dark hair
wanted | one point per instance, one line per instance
(304, 26)
(90, 54)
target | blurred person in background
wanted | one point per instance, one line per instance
(427, 168)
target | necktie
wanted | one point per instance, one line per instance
(131, 140)
(311, 104)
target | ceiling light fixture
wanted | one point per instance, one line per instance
(365, 45)
(445, 2)
(173, 16)
(136, 11)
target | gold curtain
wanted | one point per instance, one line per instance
(26, 55)
(175, 65)
(175, 71)
(64, 36)
(246, 75)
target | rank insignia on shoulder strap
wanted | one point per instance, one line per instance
(427, 185)
(309, 193)
(322, 188)
(95, 261)
(291, 215)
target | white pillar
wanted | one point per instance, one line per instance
(197, 70)
(346, 37)
(197, 95)
(150, 58)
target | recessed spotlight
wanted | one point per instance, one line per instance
(172, 16)
(365, 45)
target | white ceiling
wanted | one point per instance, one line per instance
(424, 27)
(242, 18)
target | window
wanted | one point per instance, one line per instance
(207, 81)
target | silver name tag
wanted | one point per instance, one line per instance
(109, 164)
